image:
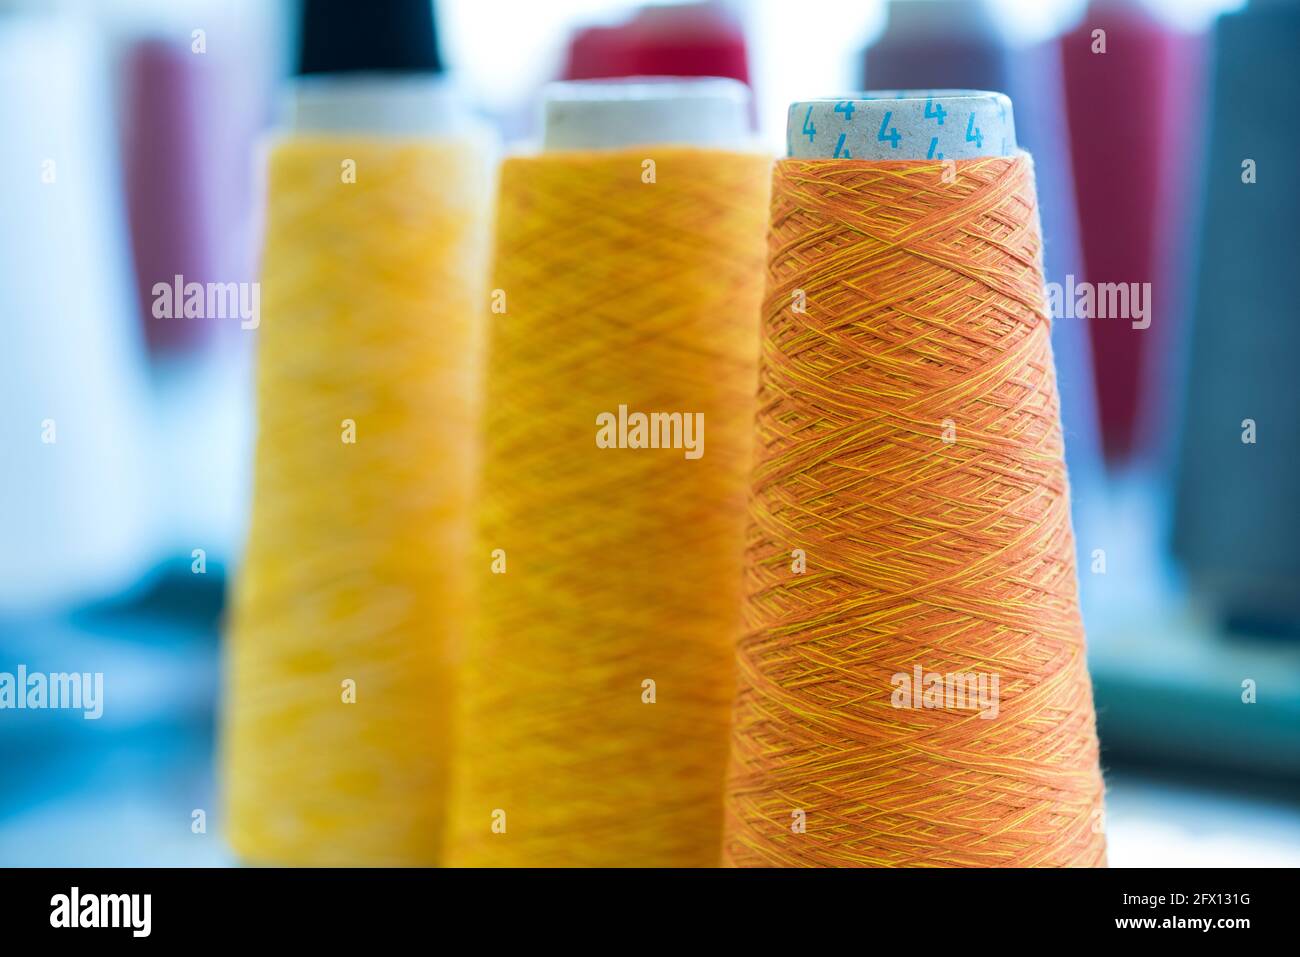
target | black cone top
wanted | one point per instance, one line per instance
(348, 36)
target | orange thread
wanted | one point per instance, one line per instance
(908, 440)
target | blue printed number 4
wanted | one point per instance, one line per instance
(888, 134)
(935, 111)
(973, 134)
(808, 129)
(847, 108)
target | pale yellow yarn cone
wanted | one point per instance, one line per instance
(354, 593)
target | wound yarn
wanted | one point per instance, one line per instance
(909, 445)
(355, 583)
(596, 690)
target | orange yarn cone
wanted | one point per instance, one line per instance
(912, 689)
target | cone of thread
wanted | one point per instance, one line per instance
(909, 511)
(597, 687)
(348, 610)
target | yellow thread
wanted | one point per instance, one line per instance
(622, 564)
(357, 561)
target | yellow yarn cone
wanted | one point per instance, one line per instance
(598, 683)
(354, 588)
